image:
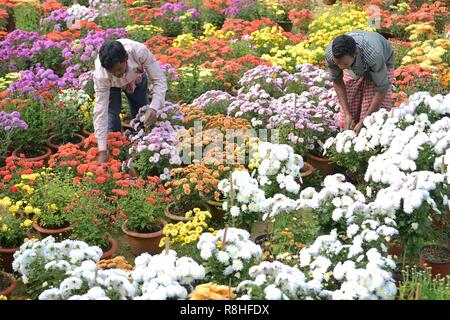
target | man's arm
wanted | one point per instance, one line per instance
(100, 116)
(158, 79)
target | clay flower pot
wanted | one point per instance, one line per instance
(324, 165)
(437, 258)
(144, 242)
(173, 217)
(78, 140)
(6, 277)
(59, 233)
(307, 170)
(329, 2)
(48, 152)
(113, 248)
(7, 258)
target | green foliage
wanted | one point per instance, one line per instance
(90, 216)
(143, 212)
(53, 193)
(293, 230)
(27, 16)
(37, 116)
(419, 285)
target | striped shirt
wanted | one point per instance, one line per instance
(140, 60)
(374, 59)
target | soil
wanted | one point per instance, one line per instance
(64, 225)
(59, 142)
(147, 230)
(32, 152)
(4, 283)
(436, 254)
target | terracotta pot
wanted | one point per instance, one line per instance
(144, 242)
(48, 153)
(108, 254)
(441, 267)
(60, 233)
(173, 217)
(13, 283)
(329, 2)
(324, 165)
(7, 258)
(308, 170)
(55, 147)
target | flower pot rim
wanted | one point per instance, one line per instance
(427, 260)
(148, 235)
(174, 217)
(309, 171)
(54, 146)
(9, 250)
(317, 158)
(13, 284)
(112, 250)
(41, 229)
(48, 152)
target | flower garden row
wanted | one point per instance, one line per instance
(341, 213)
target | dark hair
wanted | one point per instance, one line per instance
(343, 45)
(111, 53)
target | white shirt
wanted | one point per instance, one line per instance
(140, 59)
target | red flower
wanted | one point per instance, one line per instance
(14, 189)
(119, 192)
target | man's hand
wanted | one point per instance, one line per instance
(348, 121)
(149, 117)
(358, 127)
(103, 156)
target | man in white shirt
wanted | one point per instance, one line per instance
(125, 65)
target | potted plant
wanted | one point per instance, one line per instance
(228, 255)
(193, 186)
(421, 285)
(10, 125)
(92, 218)
(305, 123)
(437, 258)
(30, 143)
(7, 284)
(143, 215)
(54, 192)
(67, 123)
(154, 151)
(15, 226)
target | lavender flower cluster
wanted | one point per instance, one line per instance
(237, 6)
(254, 105)
(161, 141)
(10, 121)
(174, 11)
(273, 79)
(58, 17)
(213, 98)
(16, 45)
(36, 79)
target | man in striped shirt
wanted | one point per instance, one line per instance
(361, 65)
(125, 65)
